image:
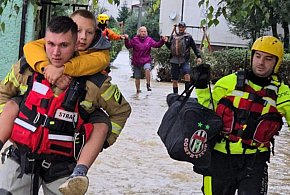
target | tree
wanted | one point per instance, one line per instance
(150, 20)
(261, 13)
(152, 23)
(16, 8)
(123, 13)
(245, 25)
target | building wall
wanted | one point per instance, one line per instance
(9, 39)
(171, 13)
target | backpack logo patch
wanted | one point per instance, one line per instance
(196, 146)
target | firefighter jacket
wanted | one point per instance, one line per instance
(111, 35)
(95, 59)
(106, 96)
(227, 85)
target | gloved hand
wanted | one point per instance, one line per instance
(201, 76)
(110, 140)
(79, 170)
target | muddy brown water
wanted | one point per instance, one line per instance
(138, 162)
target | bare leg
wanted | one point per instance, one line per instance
(175, 83)
(187, 81)
(137, 84)
(187, 77)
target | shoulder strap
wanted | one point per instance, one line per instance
(241, 77)
(23, 65)
(98, 79)
(76, 91)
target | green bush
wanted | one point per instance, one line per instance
(116, 46)
(161, 59)
(223, 62)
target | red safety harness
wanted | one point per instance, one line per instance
(47, 124)
(251, 115)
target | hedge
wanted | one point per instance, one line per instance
(223, 62)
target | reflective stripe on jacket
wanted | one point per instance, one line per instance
(47, 123)
(226, 85)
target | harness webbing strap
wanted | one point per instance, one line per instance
(36, 119)
(35, 184)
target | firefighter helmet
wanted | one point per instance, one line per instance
(102, 18)
(271, 45)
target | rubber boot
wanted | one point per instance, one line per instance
(175, 90)
(148, 87)
(1, 145)
(187, 85)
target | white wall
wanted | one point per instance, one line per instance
(192, 15)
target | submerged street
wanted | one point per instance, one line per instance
(138, 162)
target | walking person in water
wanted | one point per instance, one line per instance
(141, 46)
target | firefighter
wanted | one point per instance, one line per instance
(251, 104)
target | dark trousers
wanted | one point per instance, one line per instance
(247, 173)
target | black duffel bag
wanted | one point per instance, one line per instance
(189, 131)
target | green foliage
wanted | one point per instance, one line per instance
(152, 23)
(161, 60)
(249, 19)
(14, 10)
(113, 23)
(285, 69)
(150, 20)
(123, 13)
(131, 25)
(223, 62)
(2, 27)
(117, 2)
(116, 45)
(227, 61)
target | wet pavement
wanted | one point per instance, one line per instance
(138, 162)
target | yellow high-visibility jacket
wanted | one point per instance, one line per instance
(225, 86)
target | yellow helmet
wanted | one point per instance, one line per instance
(102, 18)
(271, 45)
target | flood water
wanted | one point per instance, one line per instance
(138, 162)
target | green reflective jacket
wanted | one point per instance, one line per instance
(225, 86)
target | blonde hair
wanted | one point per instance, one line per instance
(141, 28)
